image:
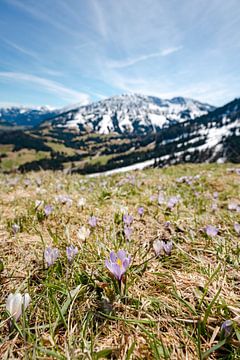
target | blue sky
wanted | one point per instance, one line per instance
(58, 52)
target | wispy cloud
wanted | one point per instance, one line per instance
(44, 16)
(114, 64)
(21, 49)
(48, 85)
(162, 48)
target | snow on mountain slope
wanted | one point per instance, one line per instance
(212, 137)
(131, 113)
(26, 116)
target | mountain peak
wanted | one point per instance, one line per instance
(130, 113)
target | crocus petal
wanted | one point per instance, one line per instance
(117, 271)
(16, 306)
(26, 300)
(168, 247)
(126, 263)
(158, 246)
(109, 265)
(9, 303)
(113, 256)
(121, 254)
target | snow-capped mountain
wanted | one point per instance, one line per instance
(212, 137)
(82, 148)
(130, 114)
(25, 116)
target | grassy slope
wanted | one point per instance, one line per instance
(173, 306)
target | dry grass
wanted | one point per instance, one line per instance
(172, 306)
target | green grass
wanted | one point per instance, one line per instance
(169, 307)
(16, 158)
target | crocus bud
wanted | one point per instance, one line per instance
(16, 304)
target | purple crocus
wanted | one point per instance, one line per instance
(227, 328)
(162, 246)
(127, 232)
(237, 228)
(152, 198)
(158, 247)
(92, 221)
(140, 211)
(167, 224)
(172, 202)
(15, 228)
(211, 230)
(118, 263)
(167, 247)
(64, 199)
(27, 182)
(71, 252)
(50, 255)
(127, 219)
(215, 195)
(48, 209)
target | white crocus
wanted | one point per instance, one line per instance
(123, 209)
(82, 202)
(83, 233)
(16, 303)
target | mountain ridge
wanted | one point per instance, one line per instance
(142, 111)
(128, 113)
(212, 137)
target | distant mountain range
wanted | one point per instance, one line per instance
(120, 131)
(25, 116)
(130, 114)
(120, 114)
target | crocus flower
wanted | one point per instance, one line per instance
(48, 209)
(38, 181)
(215, 195)
(64, 199)
(38, 204)
(237, 228)
(81, 202)
(158, 247)
(127, 232)
(214, 206)
(127, 219)
(50, 255)
(167, 247)
(71, 252)
(118, 263)
(172, 202)
(15, 228)
(161, 198)
(83, 233)
(27, 182)
(162, 246)
(16, 303)
(167, 224)
(152, 198)
(232, 206)
(227, 328)
(123, 209)
(211, 230)
(92, 221)
(140, 211)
